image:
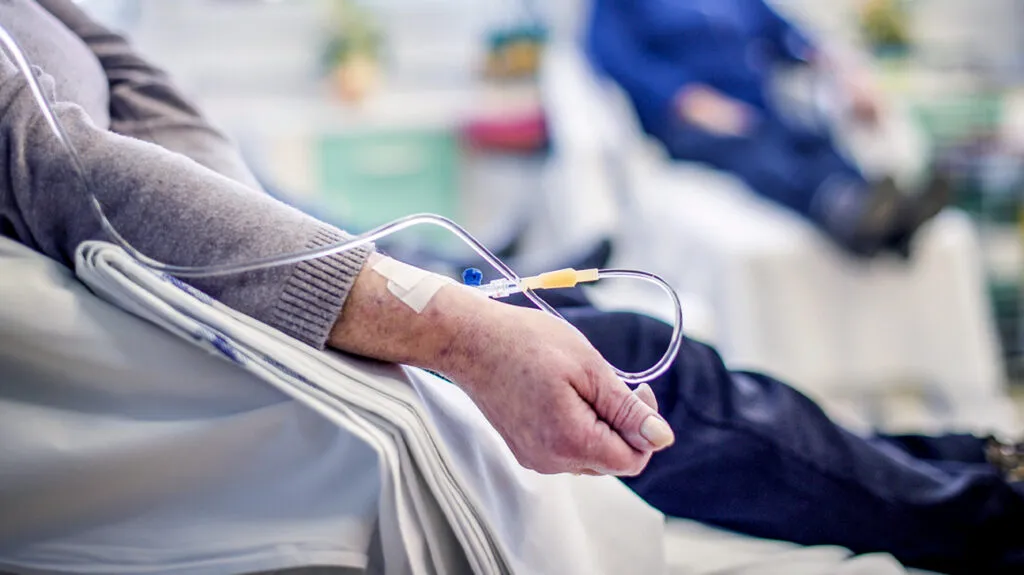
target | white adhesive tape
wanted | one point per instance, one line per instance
(412, 286)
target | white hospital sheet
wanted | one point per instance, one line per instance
(696, 549)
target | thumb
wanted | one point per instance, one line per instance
(634, 417)
(646, 395)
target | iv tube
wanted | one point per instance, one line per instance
(25, 67)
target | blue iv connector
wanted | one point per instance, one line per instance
(472, 277)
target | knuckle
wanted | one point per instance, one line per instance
(631, 407)
(591, 370)
(578, 373)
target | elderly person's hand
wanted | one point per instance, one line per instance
(548, 392)
(554, 399)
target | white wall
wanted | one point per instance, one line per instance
(275, 47)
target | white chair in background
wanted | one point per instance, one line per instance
(785, 300)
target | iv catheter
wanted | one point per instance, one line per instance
(566, 278)
(511, 283)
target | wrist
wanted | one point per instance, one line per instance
(463, 321)
(375, 323)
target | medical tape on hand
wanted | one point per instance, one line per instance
(412, 286)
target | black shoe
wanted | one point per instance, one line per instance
(1007, 457)
(915, 211)
(867, 234)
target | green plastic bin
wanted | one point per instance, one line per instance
(371, 178)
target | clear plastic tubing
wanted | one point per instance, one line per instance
(398, 225)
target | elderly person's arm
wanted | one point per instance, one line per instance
(144, 101)
(555, 401)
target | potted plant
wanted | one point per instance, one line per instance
(353, 51)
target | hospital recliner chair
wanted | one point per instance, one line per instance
(783, 298)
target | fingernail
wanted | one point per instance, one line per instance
(657, 432)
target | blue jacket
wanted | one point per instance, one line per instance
(652, 48)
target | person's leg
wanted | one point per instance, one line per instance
(954, 447)
(764, 160)
(911, 211)
(952, 453)
(801, 173)
(835, 194)
(755, 456)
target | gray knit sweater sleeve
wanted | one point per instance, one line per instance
(172, 207)
(143, 101)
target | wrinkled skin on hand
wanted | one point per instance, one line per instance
(553, 398)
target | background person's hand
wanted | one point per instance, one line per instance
(714, 112)
(553, 398)
(855, 83)
(864, 99)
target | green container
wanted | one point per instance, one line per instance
(947, 120)
(371, 178)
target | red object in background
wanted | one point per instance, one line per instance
(525, 132)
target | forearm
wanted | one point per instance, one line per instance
(374, 323)
(146, 104)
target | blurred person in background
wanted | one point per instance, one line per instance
(750, 453)
(699, 74)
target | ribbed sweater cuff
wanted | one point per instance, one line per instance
(317, 289)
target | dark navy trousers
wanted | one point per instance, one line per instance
(755, 456)
(778, 161)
